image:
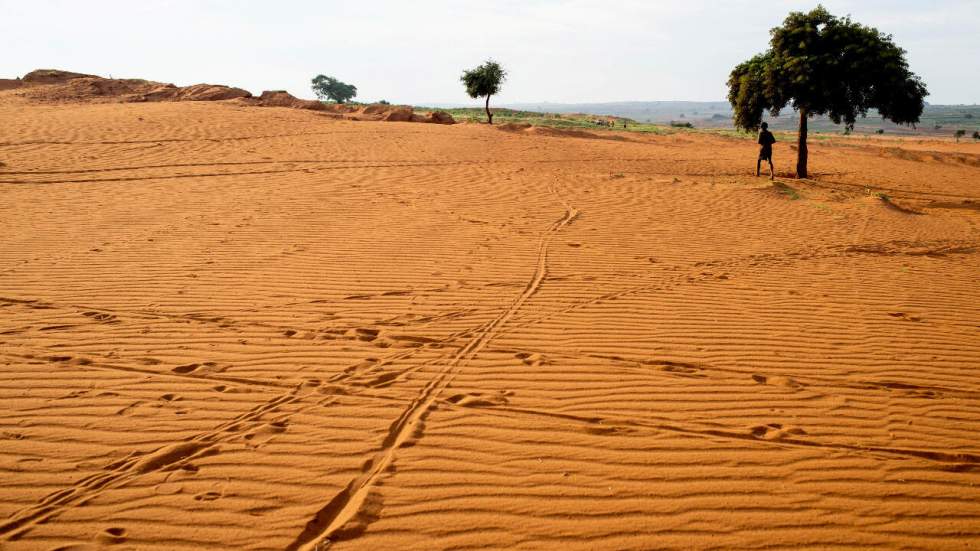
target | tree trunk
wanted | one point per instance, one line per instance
(801, 153)
(489, 114)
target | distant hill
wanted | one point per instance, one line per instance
(718, 114)
(642, 111)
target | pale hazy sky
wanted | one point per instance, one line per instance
(414, 51)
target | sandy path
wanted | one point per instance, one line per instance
(228, 327)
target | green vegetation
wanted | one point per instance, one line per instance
(825, 65)
(484, 81)
(575, 121)
(788, 191)
(588, 122)
(959, 134)
(329, 88)
(718, 115)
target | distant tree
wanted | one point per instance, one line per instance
(384, 102)
(825, 65)
(484, 80)
(332, 89)
(880, 131)
(968, 116)
(959, 134)
(976, 135)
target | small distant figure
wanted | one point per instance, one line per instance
(766, 139)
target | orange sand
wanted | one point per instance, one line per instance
(225, 327)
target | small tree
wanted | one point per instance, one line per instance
(825, 65)
(485, 80)
(976, 135)
(330, 88)
(959, 134)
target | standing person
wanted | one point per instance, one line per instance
(766, 139)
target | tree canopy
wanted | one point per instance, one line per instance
(484, 81)
(332, 89)
(825, 65)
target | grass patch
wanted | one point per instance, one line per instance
(551, 120)
(787, 191)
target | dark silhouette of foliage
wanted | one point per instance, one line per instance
(332, 89)
(484, 80)
(820, 64)
(976, 135)
(959, 134)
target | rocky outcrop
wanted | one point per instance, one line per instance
(52, 85)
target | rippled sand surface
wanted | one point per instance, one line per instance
(225, 327)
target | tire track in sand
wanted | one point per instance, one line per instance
(345, 506)
(119, 473)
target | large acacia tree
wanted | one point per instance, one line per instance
(484, 80)
(330, 88)
(825, 65)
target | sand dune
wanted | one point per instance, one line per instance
(235, 328)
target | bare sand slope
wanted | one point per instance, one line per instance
(233, 328)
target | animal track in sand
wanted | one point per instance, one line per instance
(903, 316)
(56, 327)
(101, 316)
(532, 359)
(112, 536)
(184, 369)
(775, 431)
(265, 433)
(787, 382)
(479, 399)
(168, 488)
(194, 367)
(365, 334)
